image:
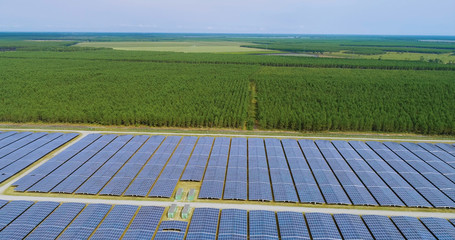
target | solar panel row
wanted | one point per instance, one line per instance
(307, 171)
(51, 220)
(20, 150)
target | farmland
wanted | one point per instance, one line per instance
(194, 47)
(82, 80)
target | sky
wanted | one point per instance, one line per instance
(388, 17)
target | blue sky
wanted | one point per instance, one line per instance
(394, 17)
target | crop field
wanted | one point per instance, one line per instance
(253, 169)
(52, 220)
(187, 47)
(47, 80)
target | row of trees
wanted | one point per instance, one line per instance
(123, 93)
(356, 100)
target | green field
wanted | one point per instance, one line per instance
(187, 47)
(406, 56)
(57, 82)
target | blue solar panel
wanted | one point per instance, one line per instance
(90, 166)
(27, 221)
(213, 183)
(233, 224)
(57, 221)
(196, 165)
(164, 186)
(441, 228)
(425, 178)
(352, 227)
(13, 138)
(382, 227)
(411, 228)
(87, 221)
(148, 175)
(11, 211)
(49, 166)
(328, 183)
(322, 226)
(144, 224)
(389, 175)
(236, 178)
(47, 183)
(4, 135)
(115, 222)
(24, 156)
(263, 225)
(282, 183)
(99, 179)
(258, 172)
(292, 226)
(447, 147)
(204, 224)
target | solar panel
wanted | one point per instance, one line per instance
(31, 151)
(282, 183)
(382, 227)
(390, 176)
(52, 226)
(144, 224)
(213, 182)
(204, 224)
(87, 221)
(322, 226)
(352, 226)
(292, 226)
(27, 221)
(164, 186)
(233, 224)
(148, 175)
(259, 181)
(55, 178)
(441, 228)
(11, 211)
(236, 178)
(49, 166)
(196, 164)
(99, 179)
(328, 183)
(411, 228)
(263, 225)
(115, 222)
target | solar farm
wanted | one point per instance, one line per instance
(179, 173)
(252, 169)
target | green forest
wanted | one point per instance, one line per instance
(55, 82)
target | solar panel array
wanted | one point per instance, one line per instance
(18, 150)
(254, 169)
(52, 220)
